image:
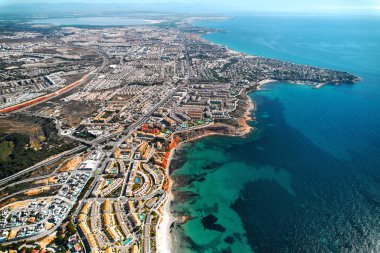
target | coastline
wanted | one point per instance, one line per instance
(264, 82)
(164, 238)
(168, 219)
(260, 87)
(164, 242)
(236, 126)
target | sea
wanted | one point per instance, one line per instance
(92, 21)
(307, 178)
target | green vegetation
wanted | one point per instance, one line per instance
(6, 149)
(227, 65)
(106, 114)
(42, 171)
(135, 187)
(22, 156)
(115, 193)
(13, 246)
(108, 147)
(63, 235)
(20, 187)
(86, 188)
(17, 151)
(20, 247)
(30, 250)
(81, 132)
(53, 190)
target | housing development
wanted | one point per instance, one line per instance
(121, 99)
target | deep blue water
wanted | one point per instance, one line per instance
(308, 179)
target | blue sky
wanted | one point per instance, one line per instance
(247, 5)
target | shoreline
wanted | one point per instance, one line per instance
(164, 238)
(164, 242)
(264, 82)
(237, 127)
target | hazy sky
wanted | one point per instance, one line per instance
(249, 5)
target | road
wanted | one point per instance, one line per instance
(58, 126)
(61, 91)
(127, 132)
(46, 162)
(29, 189)
(28, 180)
(138, 123)
(44, 98)
(39, 235)
(95, 143)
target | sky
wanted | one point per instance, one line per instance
(247, 5)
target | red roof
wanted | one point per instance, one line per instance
(77, 247)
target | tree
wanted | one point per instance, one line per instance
(71, 230)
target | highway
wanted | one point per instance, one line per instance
(97, 143)
(29, 189)
(27, 180)
(48, 161)
(127, 132)
(49, 96)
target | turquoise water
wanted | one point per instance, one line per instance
(92, 21)
(308, 179)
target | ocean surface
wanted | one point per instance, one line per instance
(308, 178)
(92, 21)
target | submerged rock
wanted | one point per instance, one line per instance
(209, 222)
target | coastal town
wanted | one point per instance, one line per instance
(122, 99)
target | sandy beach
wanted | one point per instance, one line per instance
(163, 233)
(164, 240)
(263, 82)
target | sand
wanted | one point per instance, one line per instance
(164, 244)
(36, 191)
(263, 82)
(47, 240)
(13, 233)
(163, 232)
(48, 225)
(71, 164)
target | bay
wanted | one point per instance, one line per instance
(92, 21)
(307, 179)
